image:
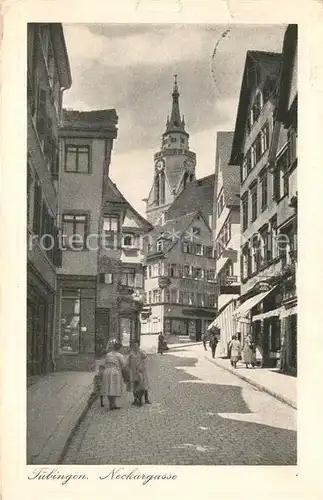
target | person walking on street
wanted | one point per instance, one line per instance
(213, 343)
(204, 340)
(235, 351)
(162, 344)
(248, 352)
(115, 364)
(138, 374)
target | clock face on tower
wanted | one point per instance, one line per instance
(159, 165)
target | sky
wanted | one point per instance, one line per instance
(131, 67)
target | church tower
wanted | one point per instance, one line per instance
(174, 164)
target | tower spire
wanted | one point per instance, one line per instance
(175, 123)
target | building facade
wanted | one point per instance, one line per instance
(259, 254)
(283, 163)
(264, 147)
(86, 141)
(226, 234)
(121, 277)
(174, 164)
(48, 75)
(180, 289)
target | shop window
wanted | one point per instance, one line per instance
(74, 231)
(77, 159)
(70, 321)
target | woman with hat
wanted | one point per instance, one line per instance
(115, 364)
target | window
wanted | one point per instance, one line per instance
(128, 278)
(256, 107)
(276, 183)
(70, 321)
(156, 270)
(210, 274)
(253, 194)
(149, 271)
(208, 252)
(198, 249)
(192, 298)
(266, 252)
(258, 149)
(292, 149)
(199, 299)
(256, 252)
(220, 204)
(186, 271)
(264, 190)
(149, 297)
(244, 207)
(173, 139)
(273, 237)
(106, 278)
(181, 297)
(265, 138)
(110, 231)
(186, 298)
(172, 270)
(187, 248)
(197, 273)
(159, 246)
(156, 296)
(77, 159)
(74, 231)
(212, 300)
(128, 240)
(196, 231)
(173, 296)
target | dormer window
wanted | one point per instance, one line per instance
(255, 110)
(128, 240)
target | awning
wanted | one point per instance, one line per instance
(268, 314)
(288, 312)
(217, 321)
(243, 310)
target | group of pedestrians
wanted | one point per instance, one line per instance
(118, 371)
(247, 353)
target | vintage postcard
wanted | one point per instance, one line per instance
(154, 309)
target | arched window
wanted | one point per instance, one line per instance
(162, 188)
(157, 189)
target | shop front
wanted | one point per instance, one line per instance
(75, 349)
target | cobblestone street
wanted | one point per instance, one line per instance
(200, 415)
